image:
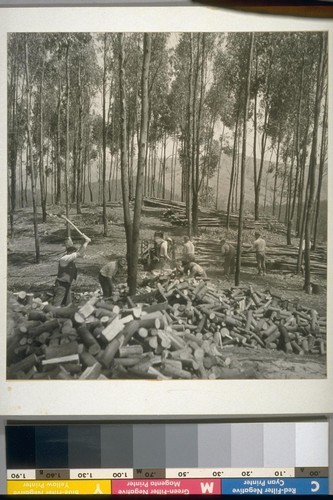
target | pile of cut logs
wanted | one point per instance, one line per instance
(174, 211)
(183, 329)
(278, 257)
(210, 219)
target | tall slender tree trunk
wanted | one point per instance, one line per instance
(153, 188)
(41, 148)
(235, 188)
(116, 175)
(32, 173)
(67, 138)
(300, 193)
(100, 174)
(299, 181)
(255, 126)
(79, 146)
(302, 230)
(197, 130)
(164, 164)
(124, 161)
(261, 166)
(189, 171)
(13, 139)
(172, 169)
(58, 190)
(73, 186)
(276, 175)
(21, 179)
(89, 165)
(282, 189)
(243, 165)
(219, 170)
(184, 175)
(105, 220)
(313, 162)
(131, 172)
(232, 175)
(266, 185)
(27, 163)
(141, 160)
(110, 176)
(323, 149)
(291, 205)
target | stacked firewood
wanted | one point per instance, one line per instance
(175, 212)
(183, 329)
(278, 257)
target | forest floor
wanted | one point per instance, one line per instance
(24, 274)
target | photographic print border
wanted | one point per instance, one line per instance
(145, 397)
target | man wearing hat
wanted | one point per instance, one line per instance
(188, 250)
(107, 274)
(164, 256)
(193, 269)
(228, 252)
(67, 272)
(259, 247)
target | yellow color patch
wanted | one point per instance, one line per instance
(64, 487)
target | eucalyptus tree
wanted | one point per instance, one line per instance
(233, 59)
(321, 70)
(132, 228)
(247, 85)
(15, 46)
(28, 81)
(16, 119)
(178, 98)
(322, 165)
(264, 75)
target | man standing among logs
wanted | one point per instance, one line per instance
(164, 257)
(259, 247)
(107, 274)
(67, 272)
(188, 250)
(228, 252)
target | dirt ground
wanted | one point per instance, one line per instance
(25, 274)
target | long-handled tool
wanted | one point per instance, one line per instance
(62, 216)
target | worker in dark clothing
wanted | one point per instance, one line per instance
(107, 274)
(228, 252)
(67, 273)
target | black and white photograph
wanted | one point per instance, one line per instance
(167, 205)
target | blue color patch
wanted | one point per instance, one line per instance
(275, 486)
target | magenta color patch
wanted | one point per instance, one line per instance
(166, 486)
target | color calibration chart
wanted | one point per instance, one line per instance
(168, 458)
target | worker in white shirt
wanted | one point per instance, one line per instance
(188, 250)
(164, 256)
(67, 273)
(259, 247)
(193, 269)
(107, 274)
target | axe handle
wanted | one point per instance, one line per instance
(73, 225)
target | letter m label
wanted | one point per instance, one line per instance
(207, 487)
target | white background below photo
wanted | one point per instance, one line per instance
(149, 397)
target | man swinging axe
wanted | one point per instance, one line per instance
(67, 271)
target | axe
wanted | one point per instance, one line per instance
(62, 216)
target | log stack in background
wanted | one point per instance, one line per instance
(175, 212)
(183, 329)
(278, 257)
